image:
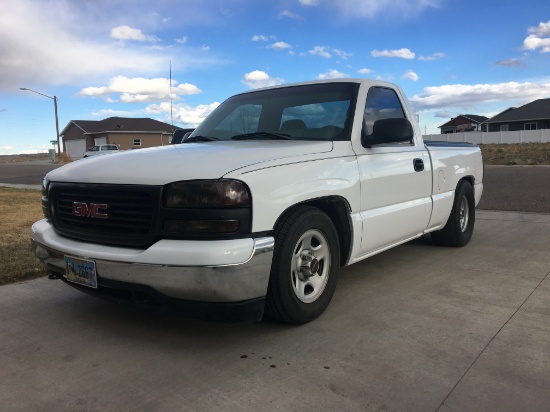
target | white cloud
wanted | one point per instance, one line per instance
(129, 33)
(48, 43)
(290, 15)
(435, 56)
(23, 149)
(539, 38)
(409, 74)
(401, 53)
(332, 74)
(364, 71)
(309, 2)
(184, 114)
(342, 54)
(189, 116)
(182, 40)
(510, 63)
(543, 29)
(469, 96)
(532, 42)
(320, 51)
(280, 45)
(257, 78)
(259, 37)
(139, 89)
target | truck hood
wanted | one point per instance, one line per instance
(162, 165)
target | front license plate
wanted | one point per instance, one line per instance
(80, 271)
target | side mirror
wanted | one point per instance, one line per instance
(185, 136)
(395, 130)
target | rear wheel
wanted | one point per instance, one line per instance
(305, 266)
(460, 226)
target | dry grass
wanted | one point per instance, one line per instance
(19, 210)
(516, 154)
(64, 158)
(23, 158)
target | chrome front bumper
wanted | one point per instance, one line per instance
(239, 272)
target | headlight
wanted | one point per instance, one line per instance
(45, 184)
(45, 200)
(205, 208)
(206, 194)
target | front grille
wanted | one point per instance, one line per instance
(130, 211)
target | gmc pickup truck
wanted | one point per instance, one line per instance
(258, 209)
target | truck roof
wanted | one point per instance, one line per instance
(371, 82)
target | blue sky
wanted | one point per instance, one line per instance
(107, 58)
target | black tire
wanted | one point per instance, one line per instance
(305, 266)
(460, 226)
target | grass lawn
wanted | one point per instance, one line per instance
(19, 210)
(524, 154)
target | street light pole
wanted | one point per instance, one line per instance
(57, 128)
(54, 98)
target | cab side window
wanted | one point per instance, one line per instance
(382, 103)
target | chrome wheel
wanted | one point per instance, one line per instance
(460, 225)
(304, 270)
(464, 213)
(310, 266)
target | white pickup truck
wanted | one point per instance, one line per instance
(261, 205)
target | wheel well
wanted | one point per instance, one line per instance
(338, 210)
(469, 179)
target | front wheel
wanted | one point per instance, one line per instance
(305, 266)
(460, 226)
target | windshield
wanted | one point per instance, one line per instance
(309, 112)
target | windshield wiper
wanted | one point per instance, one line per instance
(200, 139)
(262, 135)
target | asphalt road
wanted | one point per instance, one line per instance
(507, 188)
(25, 173)
(516, 188)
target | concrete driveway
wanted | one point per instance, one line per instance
(417, 328)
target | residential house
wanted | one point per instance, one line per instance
(532, 116)
(126, 133)
(463, 123)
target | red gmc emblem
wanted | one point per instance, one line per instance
(90, 210)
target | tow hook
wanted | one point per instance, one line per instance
(54, 276)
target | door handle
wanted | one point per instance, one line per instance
(418, 165)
